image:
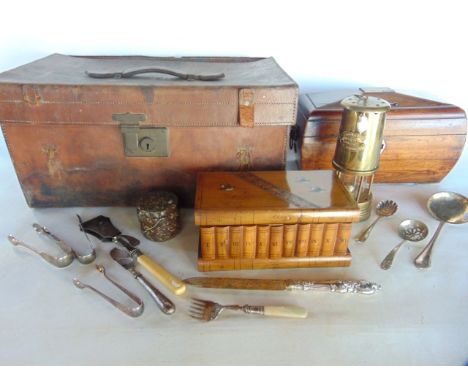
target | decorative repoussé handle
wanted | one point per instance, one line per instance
(335, 286)
(388, 260)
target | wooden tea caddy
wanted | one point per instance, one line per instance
(423, 139)
(273, 219)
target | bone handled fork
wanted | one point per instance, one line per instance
(206, 310)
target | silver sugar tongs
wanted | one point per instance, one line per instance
(58, 261)
(132, 312)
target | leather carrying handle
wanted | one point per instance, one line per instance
(129, 73)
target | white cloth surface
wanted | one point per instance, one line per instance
(419, 316)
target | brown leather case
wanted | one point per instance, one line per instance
(423, 139)
(72, 137)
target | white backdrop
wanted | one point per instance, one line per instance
(417, 46)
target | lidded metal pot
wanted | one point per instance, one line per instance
(359, 145)
(158, 214)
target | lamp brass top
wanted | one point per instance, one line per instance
(361, 133)
(363, 103)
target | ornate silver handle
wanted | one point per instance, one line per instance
(423, 260)
(366, 232)
(336, 286)
(388, 261)
(166, 305)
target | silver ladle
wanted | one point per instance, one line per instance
(447, 207)
(409, 230)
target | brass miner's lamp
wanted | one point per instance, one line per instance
(359, 146)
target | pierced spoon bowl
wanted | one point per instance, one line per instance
(385, 208)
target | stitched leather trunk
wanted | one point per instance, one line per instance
(80, 141)
(423, 139)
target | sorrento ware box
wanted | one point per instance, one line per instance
(90, 131)
(273, 219)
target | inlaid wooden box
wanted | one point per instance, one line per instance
(273, 219)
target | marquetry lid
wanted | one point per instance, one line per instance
(272, 197)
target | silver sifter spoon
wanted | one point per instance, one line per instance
(385, 208)
(409, 230)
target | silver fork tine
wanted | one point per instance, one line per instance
(196, 301)
(199, 306)
(204, 302)
(202, 309)
(196, 313)
(197, 310)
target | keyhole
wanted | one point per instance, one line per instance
(147, 144)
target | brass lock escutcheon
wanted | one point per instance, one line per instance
(140, 141)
